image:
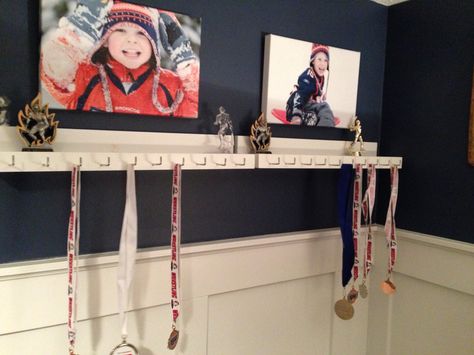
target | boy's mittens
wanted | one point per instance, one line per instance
(89, 17)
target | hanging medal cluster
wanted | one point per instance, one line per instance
(127, 257)
(352, 207)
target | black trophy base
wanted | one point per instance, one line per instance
(264, 152)
(37, 149)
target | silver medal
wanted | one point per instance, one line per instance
(124, 348)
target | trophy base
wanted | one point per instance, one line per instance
(37, 150)
(264, 152)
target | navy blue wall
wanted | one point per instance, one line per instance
(216, 204)
(430, 58)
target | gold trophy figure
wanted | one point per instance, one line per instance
(36, 125)
(357, 128)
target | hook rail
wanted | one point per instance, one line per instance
(63, 161)
(288, 161)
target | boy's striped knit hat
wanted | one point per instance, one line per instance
(316, 48)
(144, 17)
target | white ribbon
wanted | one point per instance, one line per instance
(127, 250)
(390, 229)
(175, 244)
(72, 254)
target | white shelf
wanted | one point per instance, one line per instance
(114, 150)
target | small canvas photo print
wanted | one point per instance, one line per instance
(309, 84)
(119, 57)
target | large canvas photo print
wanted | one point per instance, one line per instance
(309, 84)
(114, 56)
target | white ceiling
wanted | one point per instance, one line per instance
(389, 2)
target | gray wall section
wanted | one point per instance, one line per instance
(430, 58)
(216, 204)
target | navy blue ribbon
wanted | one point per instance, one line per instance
(344, 206)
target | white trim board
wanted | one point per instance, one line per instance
(100, 141)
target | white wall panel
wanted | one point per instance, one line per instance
(432, 311)
(148, 330)
(263, 295)
(296, 268)
(285, 318)
(431, 319)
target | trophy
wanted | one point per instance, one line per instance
(225, 132)
(260, 135)
(36, 125)
(357, 128)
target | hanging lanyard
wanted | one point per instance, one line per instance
(126, 264)
(344, 199)
(390, 231)
(367, 208)
(72, 255)
(343, 307)
(356, 212)
(356, 208)
(175, 254)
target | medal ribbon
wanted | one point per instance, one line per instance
(128, 249)
(356, 208)
(72, 255)
(390, 232)
(344, 201)
(175, 244)
(367, 208)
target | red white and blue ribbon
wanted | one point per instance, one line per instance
(356, 209)
(367, 208)
(390, 228)
(127, 249)
(72, 256)
(175, 253)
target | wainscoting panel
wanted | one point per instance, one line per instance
(432, 311)
(266, 295)
(295, 315)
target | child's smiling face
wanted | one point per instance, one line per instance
(129, 45)
(320, 63)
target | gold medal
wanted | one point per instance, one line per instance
(344, 309)
(388, 287)
(173, 339)
(352, 295)
(363, 291)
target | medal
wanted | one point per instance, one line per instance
(173, 339)
(344, 309)
(363, 291)
(352, 295)
(124, 348)
(388, 287)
